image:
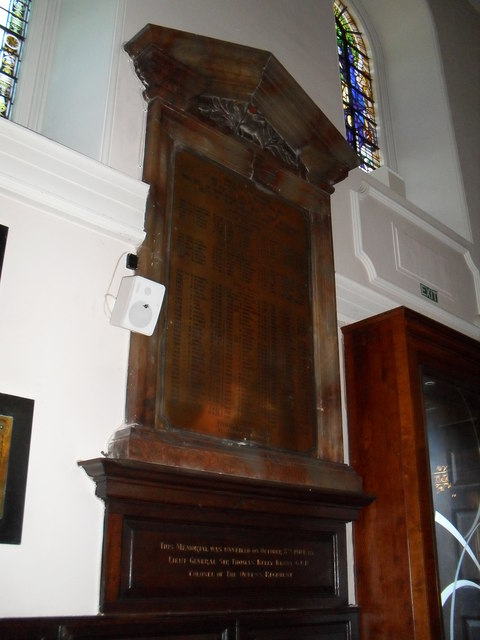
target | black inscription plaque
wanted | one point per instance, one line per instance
(239, 331)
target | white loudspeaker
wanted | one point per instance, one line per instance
(138, 304)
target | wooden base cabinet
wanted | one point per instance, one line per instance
(196, 556)
(413, 398)
(329, 625)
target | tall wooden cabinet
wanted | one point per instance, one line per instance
(413, 407)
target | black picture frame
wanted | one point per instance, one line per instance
(3, 244)
(18, 413)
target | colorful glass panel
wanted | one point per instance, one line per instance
(14, 16)
(357, 92)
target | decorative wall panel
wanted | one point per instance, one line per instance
(410, 258)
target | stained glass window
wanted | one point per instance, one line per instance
(13, 26)
(357, 92)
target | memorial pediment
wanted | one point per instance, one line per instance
(185, 70)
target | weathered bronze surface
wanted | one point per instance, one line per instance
(238, 341)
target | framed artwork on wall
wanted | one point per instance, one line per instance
(15, 431)
(3, 242)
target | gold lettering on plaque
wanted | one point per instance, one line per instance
(6, 424)
(239, 330)
(238, 562)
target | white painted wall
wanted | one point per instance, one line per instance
(386, 249)
(71, 218)
(69, 222)
(425, 146)
(460, 49)
(76, 101)
(93, 102)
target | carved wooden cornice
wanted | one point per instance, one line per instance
(250, 91)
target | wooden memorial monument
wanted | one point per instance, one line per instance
(241, 377)
(226, 496)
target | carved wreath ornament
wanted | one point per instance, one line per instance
(245, 120)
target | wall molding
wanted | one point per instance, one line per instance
(68, 184)
(31, 94)
(356, 302)
(401, 250)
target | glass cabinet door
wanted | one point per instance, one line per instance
(452, 417)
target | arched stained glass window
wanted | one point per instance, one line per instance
(13, 25)
(357, 92)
